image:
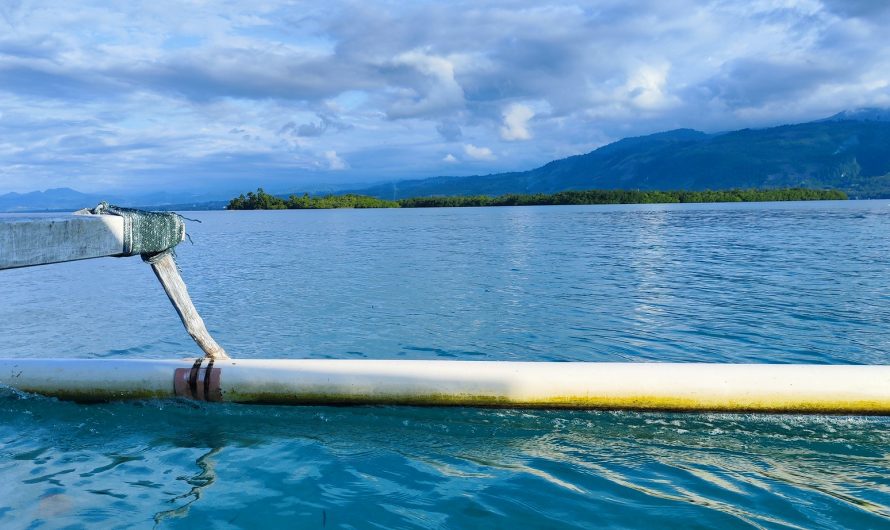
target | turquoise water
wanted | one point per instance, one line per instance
(790, 282)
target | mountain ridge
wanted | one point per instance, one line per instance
(68, 199)
(849, 151)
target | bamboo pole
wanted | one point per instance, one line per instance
(28, 240)
(761, 388)
(164, 267)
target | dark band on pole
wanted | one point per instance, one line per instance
(193, 378)
(196, 383)
(207, 372)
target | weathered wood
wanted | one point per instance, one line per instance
(27, 241)
(38, 240)
(165, 269)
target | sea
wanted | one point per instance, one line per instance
(802, 282)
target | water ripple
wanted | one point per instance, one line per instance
(718, 283)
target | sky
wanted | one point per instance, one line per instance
(216, 96)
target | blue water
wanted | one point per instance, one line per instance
(781, 282)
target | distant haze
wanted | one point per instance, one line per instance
(207, 99)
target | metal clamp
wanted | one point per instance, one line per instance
(199, 382)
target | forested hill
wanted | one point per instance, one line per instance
(849, 151)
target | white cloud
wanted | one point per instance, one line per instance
(450, 159)
(335, 163)
(647, 87)
(515, 126)
(478, 153)
(434, 92)
(144, 95)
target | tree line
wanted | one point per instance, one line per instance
(265, 201)
(260, 200)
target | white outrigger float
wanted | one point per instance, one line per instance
(110, 231)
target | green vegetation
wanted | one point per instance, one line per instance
(626, 197)
(263, 201)
(860, 187)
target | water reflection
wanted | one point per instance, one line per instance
(739, 283)
(199, 483)
(454, 467)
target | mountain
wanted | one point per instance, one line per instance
(67, 200)
(865, 114)
(52, 199)
(849, 151)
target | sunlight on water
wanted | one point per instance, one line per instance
(176, 464)
(743, 283)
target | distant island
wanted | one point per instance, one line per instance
(260, 200)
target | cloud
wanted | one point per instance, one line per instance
(755, 82)
(449, 130)
(314, 128)
(335, 163)
(478, 153)
(858, 8)
(449, 158)
(647, 87)
(129, 95)
(515, 126)
(432, 92)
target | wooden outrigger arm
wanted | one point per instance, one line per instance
(108, 231)
(167, 272)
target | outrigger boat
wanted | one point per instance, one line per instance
(214, 376)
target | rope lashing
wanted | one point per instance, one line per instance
(146, 233)
(153, 235)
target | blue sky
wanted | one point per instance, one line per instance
(222, 96)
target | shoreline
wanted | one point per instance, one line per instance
(264, 201)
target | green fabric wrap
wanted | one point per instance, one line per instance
(149, 234)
